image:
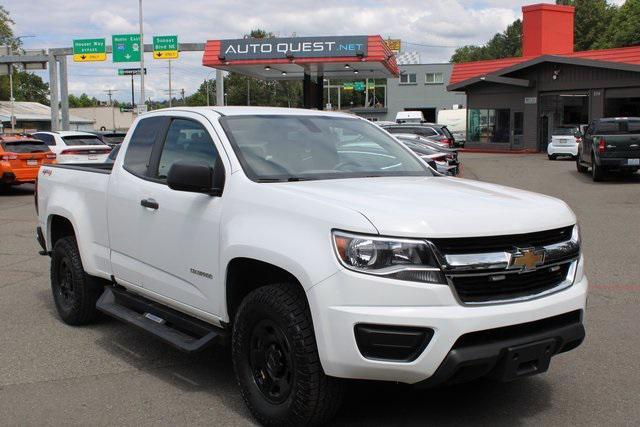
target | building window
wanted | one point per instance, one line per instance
(434, 78)
(489, 125)
(408, 78)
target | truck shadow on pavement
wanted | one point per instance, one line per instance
(22, 190)
(609, 180)
(482, 402)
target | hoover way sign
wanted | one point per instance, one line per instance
(296, 47)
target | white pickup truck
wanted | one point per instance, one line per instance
(320, 247)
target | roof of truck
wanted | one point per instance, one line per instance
(247, 111)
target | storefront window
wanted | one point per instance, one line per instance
(489, 125)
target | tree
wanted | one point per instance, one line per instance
(26, 86)
(624, 29)
(592, 20)
(501, 45)
(84, 101)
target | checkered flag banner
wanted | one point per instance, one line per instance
(407, 58)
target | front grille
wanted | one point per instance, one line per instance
(481, 289)
(502, 243)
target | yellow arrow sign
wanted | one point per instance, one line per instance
(89, 57)
(165, 54)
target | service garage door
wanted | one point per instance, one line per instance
(622, 102)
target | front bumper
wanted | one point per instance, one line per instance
(347, 299)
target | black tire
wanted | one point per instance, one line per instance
(4, 188)
(552, 156)
(579, 166)
(597, 173)
(74, 292)
(276, 360)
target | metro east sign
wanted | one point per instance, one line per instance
(297, 47)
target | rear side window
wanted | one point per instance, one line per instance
(186, 140)
(136, 159)
(618, 127)
(28, 146)
(47, 139)
(445, 131)
(82, 140)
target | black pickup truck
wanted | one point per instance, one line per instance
(611, 144)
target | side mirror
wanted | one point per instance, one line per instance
(194, 177)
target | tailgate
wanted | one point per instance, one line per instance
(621, 146)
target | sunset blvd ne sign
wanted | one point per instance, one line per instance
(165, 47)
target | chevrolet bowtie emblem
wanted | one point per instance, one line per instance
(527, 259)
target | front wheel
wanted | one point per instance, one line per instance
(579, 166)
(276, 360)
(552, 156)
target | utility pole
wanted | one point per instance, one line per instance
(133, 98)
(206, 88)
(182, 93)
(170, 93)
(113, 111)
(142, 97)
(11, 98)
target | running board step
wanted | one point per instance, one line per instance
(179, 330)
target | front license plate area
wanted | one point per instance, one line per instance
(93, 157)
(633, 162)
(524, 360)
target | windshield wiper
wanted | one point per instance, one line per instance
(289, 179)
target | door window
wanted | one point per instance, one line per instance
(136, 159)
(186, 140)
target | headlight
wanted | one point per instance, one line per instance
(400, 259)
(575, 234)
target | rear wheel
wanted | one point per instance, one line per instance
(276, 359)
(597, 173)
(74, 292)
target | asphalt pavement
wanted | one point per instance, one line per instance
(112, 374)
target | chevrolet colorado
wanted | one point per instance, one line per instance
(319, 247)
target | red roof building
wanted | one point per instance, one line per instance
(518, 103)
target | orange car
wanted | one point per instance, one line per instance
(20, 159)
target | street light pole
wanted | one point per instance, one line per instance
(142, 97)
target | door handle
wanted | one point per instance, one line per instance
(149, 203)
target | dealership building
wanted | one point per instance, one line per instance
(516, 103)
(419, 87)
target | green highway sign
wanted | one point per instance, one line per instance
(89, 50)
(125, 47)
(347, 85)
(165, 47)
(358, 86)
(130, 71)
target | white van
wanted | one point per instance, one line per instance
(456, 121)
(409, 117)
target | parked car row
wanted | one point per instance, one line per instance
(22, 155)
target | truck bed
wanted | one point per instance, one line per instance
(87, 167)
(78, 193)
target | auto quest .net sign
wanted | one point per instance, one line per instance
(298, 47)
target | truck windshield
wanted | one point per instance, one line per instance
(295, 148)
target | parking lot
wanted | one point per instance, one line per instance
(111, 374)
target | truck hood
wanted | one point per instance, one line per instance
(438, 206)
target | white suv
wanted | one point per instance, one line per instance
(75, 147)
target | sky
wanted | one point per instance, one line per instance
(432, 27)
